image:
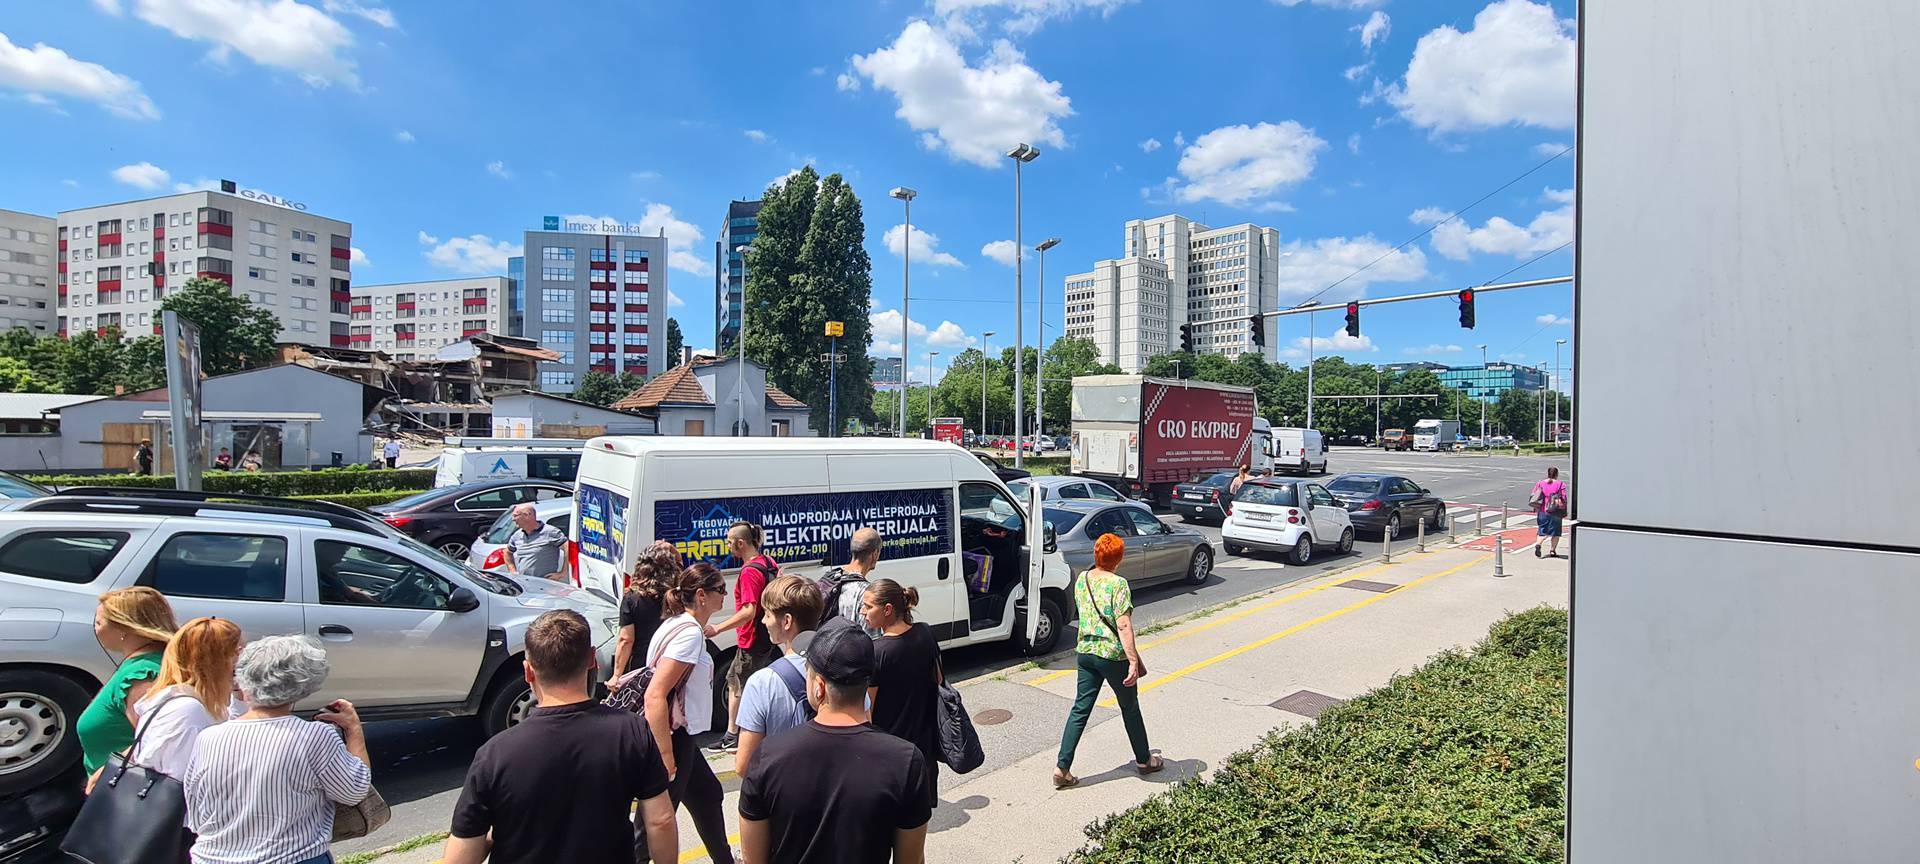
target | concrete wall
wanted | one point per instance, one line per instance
(24, 453)
(275, 389)
(545, 411)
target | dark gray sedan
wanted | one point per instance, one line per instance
(1156, 552)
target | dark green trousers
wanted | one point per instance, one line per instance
(1093, 671)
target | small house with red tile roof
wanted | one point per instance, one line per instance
(700, 398)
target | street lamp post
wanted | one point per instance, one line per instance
(1309, 304)
(1021, 154)
(1040, 336)
(1556, 388)
(1376, 403)
(986, 350)
(1483, 395)
(740, 426)
(906, 260)
(930, 356)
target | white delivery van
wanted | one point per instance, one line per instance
(1302, 451)
(465, 460)
(950, 528)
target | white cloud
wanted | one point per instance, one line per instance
(145, 175)
(846, 82)
(1149, 145)
(1353, 143)
(1179, 140)
(403, 136)
(643, 176)
(1552, 320)
(199, 184)
(1428, 350)
(681, 236)
(1336, 4)
(358, 257)
(926, 247)
(72, 184)
(43, 70)
(1338, 343)
(499, 169)
(782, 179)
(1023, 17)
(975, 113)
(1377, 27)
(756, 136)
(999, 250)
(476, 253)
(1306, 267)
(1236, 165)
(885, 327)
(1459, 240)
(1546, 149)
(817, 71)
(376, 14)
(280, 33)
(1354, 73)
(673, 300)
(1515, 67)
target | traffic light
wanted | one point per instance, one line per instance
(1353, 320)
(1258, 324)
(1466, 308)
(1186, 338)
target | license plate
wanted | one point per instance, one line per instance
(1193, 496)
(1258, 517)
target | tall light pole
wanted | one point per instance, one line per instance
(1309, 304)
(1021, 155)
(1040, 337)
(740, 426)
(930, 356)
(986, 350)
(1376, 404)
(1556, 388)
(1483, 394)
(906, 260)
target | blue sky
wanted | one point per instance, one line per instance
(441, 131)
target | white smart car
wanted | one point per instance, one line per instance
(1286, 515)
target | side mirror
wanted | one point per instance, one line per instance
(1425, 491)
(1052, 543)
(462, 600)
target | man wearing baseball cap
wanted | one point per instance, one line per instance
(835, 788)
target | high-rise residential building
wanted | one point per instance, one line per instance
(595, 292)
(27, 274)
(729, 275)
(116, 262)
(412, 320)
(1177, 271)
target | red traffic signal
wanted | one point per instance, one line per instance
(1466, 308)
(1353, 319)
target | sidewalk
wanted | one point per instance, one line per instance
(1217, 683)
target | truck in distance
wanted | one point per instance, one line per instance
(1436, 435)
(1145, 435)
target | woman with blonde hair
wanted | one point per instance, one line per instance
(194, 691)
(134, 624)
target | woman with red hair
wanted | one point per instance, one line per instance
(1106, 653)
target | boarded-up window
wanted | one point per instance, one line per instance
(695, 427)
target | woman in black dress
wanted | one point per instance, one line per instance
(906, 673)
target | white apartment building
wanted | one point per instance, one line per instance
(27, 271)
(1214, 279)
(412, 320)
(116, 262)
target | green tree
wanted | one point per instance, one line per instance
(603, 388)
(92, 362)
(143, 363)
(234, 333)
(41, 354)
(17, 377)
(808, 266)
(1068, 358)
(674, 343)
(1518, 414)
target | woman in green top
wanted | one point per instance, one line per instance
(134, 624)
(1106, 653)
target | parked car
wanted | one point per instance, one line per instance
(489, 550)
(1284, 515)
(1070, 488)
(450, 519)
(1396, 439)
(1388, 504)
(14, 486)
(409, 632)
(1007, 474)
(1156, 551)
(1204, 497)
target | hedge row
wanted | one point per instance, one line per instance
(325, 481)
(1463, 759)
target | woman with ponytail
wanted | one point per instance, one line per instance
(641, 606)
(193, 691)
(679, 703)
(906, 673)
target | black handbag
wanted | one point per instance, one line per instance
(959, 743)
(136, 815)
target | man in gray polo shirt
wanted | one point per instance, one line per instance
(535, 547)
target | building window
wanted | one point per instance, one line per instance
(561, 315)
(556, 379)
(556, 337)
(556, 253)
(557, 274)
(597, 255)
(636, 319)
(557, 296)
(635, 339)
(635, 256)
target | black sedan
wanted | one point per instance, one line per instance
(451, 517)
(1388, 504)
(1204, 497)
(1005, 473)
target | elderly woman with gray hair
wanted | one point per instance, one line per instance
(263, 785)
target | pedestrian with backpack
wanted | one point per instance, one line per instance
(775, 698)
(1106, 654)
(678, 702)
(906, 674)
(843, 587)
(1549, 500)
(756, 650)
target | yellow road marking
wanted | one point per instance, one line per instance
(699, 853)
(1183, 632)
(1228, 655)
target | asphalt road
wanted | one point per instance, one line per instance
(420, 764)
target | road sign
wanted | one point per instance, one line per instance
(836, 329)
(182, 340)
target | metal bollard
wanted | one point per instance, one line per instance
(1499, 557)
(1479, 521)
(1386, 547)
(1503, 516)
(1450, 536)
(1423, 534)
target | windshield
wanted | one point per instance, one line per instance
(1220, 479)
(1019, 488)
(1278, 496)
(1354, 485)
(493, 582)
(501, 530)
(1426, 428)
(14, 487)
(1061, 520)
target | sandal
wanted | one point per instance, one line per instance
(1064, 779)
(1152, 766)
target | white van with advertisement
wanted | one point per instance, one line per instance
(465, 460)
(950, 529)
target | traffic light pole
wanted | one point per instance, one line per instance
(1430, 295)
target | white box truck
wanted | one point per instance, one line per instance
(1436, 435)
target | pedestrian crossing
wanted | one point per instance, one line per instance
(1467, 517)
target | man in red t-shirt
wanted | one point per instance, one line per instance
(757, 650)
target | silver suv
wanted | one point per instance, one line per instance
(408, 631)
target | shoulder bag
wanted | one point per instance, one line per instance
(354, 821)
(135, 814)
(630, 692)
(959, 743)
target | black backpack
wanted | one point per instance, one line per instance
(831, 585)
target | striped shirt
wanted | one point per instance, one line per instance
(262, 791)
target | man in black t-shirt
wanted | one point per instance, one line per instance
(557, 786)
(835, 789)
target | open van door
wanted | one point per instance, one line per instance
(1036, 556)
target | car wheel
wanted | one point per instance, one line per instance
(1200, 567)
(38, 713)
(1346, 541)
(1392, 531)
(1440, 518)
(454, 547)
(508, 703)
(1302, 550)
(1233, 548)
(1052, 623)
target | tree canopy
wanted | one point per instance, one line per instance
(234, 335)
(603, 388)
